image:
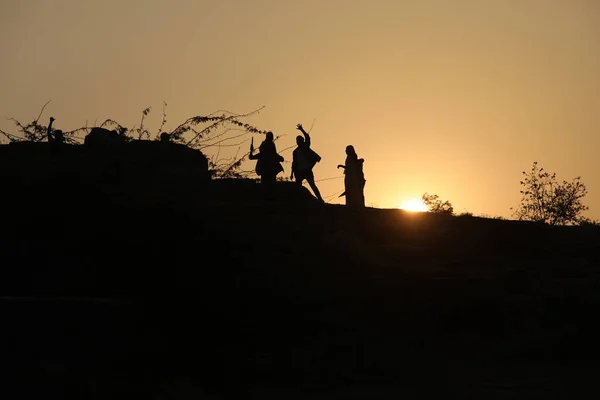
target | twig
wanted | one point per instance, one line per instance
(141, 130)
(234, 164)
(9, 136)
(328, 198)
(41, 111)
(286, 149)
(164, 120)
(220, 121)
(235, 114)
(328, 179)
(311, 126)
(226, 131)
(224, 140)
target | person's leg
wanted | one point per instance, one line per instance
(347, 191)
(361, 196)
(350, 198)
(353, 194)
(268, 182)
(311, 181)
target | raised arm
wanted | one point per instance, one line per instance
(253, 156)
(306, 136)
(49, 131)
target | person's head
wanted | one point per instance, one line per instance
(269, 136)
(299, 140)
(164, 137)
(58, 134)
(350, 150)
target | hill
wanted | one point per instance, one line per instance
(200, 289)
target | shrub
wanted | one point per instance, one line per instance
(546, 200)
(437, 206)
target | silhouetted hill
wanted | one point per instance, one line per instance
(175, 288)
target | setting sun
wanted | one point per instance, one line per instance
(416, 205)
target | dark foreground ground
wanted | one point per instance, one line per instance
(204, 292)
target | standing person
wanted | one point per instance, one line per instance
(268, 163)
(305, 159)
(55, 138)
(354, 179)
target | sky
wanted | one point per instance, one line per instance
(453, 98)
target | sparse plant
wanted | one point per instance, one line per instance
(163, 122)
(436, 205)
(141, 131)
(546, 200)
(34, 131)
(207, 133)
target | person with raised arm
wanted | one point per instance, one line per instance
(304, 160)
(55, 137)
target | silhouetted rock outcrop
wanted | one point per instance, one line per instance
(101, 139)
(103, 156)
(164, 161)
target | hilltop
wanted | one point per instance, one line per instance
(173, 288)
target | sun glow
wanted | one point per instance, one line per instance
(415, 205)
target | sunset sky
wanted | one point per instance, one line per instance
(453, 97)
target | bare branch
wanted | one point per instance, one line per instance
(224, 140)
(164, 120)
(311, 125)
(41, 111)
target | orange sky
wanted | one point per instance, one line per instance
(447, 97)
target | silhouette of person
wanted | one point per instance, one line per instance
(303, 162)
(56, 138)
(354, 179)
(268, 163)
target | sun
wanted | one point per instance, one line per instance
(415, 205)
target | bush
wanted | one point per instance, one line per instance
(437, 206)
(547, 201)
